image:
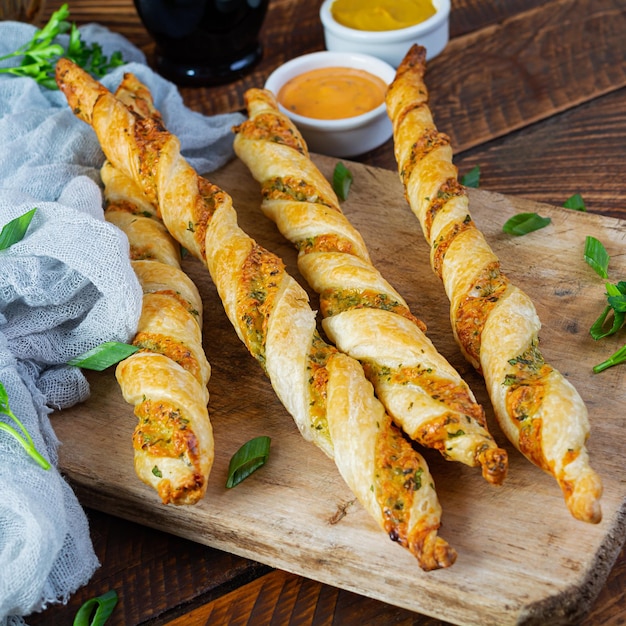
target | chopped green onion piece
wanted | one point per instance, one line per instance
(96, 611)
(615, 359)
(14, 231)
(471, 178)
(252, 455)
(524, 223)
(597, 329)
(616, 297)
(342, 179)
(104, 355)
(24, 439)
(575, 203)
(596, 256)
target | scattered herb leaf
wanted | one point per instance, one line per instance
(342, 180)
(471, 178)
(597, 329)
(575, 202)
(524, 223)
(616, 296)
(252, 455)
(24, 439)
(103, 356)
(14, 231)
(596, 256)
(11, 233)
(96, 611)
(615, 359)
(41, 53)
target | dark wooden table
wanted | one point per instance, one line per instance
(532, 91)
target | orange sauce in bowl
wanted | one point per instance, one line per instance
(331, 93)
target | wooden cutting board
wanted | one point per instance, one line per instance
(522, 558)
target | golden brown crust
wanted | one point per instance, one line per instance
(173, 440)
(166, 381)
(200, 216)
(380, 464)
(495, 323)
(148, 238)
(364, 315)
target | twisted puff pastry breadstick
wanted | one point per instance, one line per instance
(325, 391)
(166, 381)
(364, 315)
(494, 322)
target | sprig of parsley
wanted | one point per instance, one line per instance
(42, 52)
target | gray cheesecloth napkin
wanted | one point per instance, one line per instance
(65, 288)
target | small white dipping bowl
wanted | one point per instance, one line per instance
(345, 137)
(389, 45)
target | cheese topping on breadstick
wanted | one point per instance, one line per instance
(494, 322)
(271, 315)
(167, 379)
(363, 314)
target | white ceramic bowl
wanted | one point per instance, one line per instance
(346, 137)
(389, 45)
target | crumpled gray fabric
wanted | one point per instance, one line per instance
(65, 288)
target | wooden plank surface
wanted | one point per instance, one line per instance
(517, 63)
(543, 162)
(281, 516)
(536, 68)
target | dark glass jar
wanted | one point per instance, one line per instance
(204, 42)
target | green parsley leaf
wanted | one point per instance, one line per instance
(40, 54)
(616, 296)
(14, 231)
(24, 438)
(252, 455)
(575, 202)
(524, 223)
(96, 611)
(471, 178)
(596, 256)
(342, 180)
(103, 356)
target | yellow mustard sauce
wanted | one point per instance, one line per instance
(380, 15)
(332, 93)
